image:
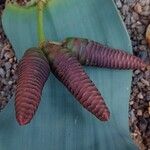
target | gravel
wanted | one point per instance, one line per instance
(7, 71)
(136, 15)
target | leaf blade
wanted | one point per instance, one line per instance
(65, 116)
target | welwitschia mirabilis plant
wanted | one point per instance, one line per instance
(58, 113)
(63, 62)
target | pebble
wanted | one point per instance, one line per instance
(2, 72)
(135, 16)
(132, 116)
(148, 96)
(149, 110)
(138, 8)
(142, 31)
(8, 74)
(145, 13)
(148, 34)
(140, 96)
(10, 82)
(3, 102)
(125, 9)
(142, 54)
(144, 2)
(137, 72)
(139, 112)
(9, 55)
(11, 60)
(131, 103)
(145, 82)
(146, 8)
(142, 48)
(128, 20)
(143, 42)
(2, 53)
(8, 65)
(143, 124)
(2, 93)
(118, 3)
(146, 114)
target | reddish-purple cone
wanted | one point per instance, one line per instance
(95, 54)
(69, 71)
(33, 71)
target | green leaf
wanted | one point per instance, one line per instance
(60, 122)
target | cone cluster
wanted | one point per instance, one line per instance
(64, 61)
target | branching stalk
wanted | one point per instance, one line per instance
(40, 28)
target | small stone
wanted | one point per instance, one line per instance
(131, 102)
(10, 82)
(139, 113)
(138, 8)
(2, 72)
(143, 2)
(135, 90)
(3, 102)
(143, 42)
(138, 23)
(133, 20)
(144, 22)
(148, 96)
(128, 20)
(142, 48)
(135, 16)
(136, 72)
(125, 9)
(143, 124)
(3, 81)
(148, 35)
(143, 54)
(146, 114)
(2, 93)
(7, 65)
(140, 96)
(118, 3)
(15, 59)
(146, 8)
(145, 82)
(13, 71)
(8, 55)
(14, 66)
(141, 30)
(11, 60)
(8, 74)
(147, 74)
(132, 116)
(135, 106)
(1, 63)
(140, 36)
(2, 53)
(145, 13)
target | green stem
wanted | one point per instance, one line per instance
(40, 28)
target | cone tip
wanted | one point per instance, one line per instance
(105, 116)
(22, 120)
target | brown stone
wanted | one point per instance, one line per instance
(138, 8)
